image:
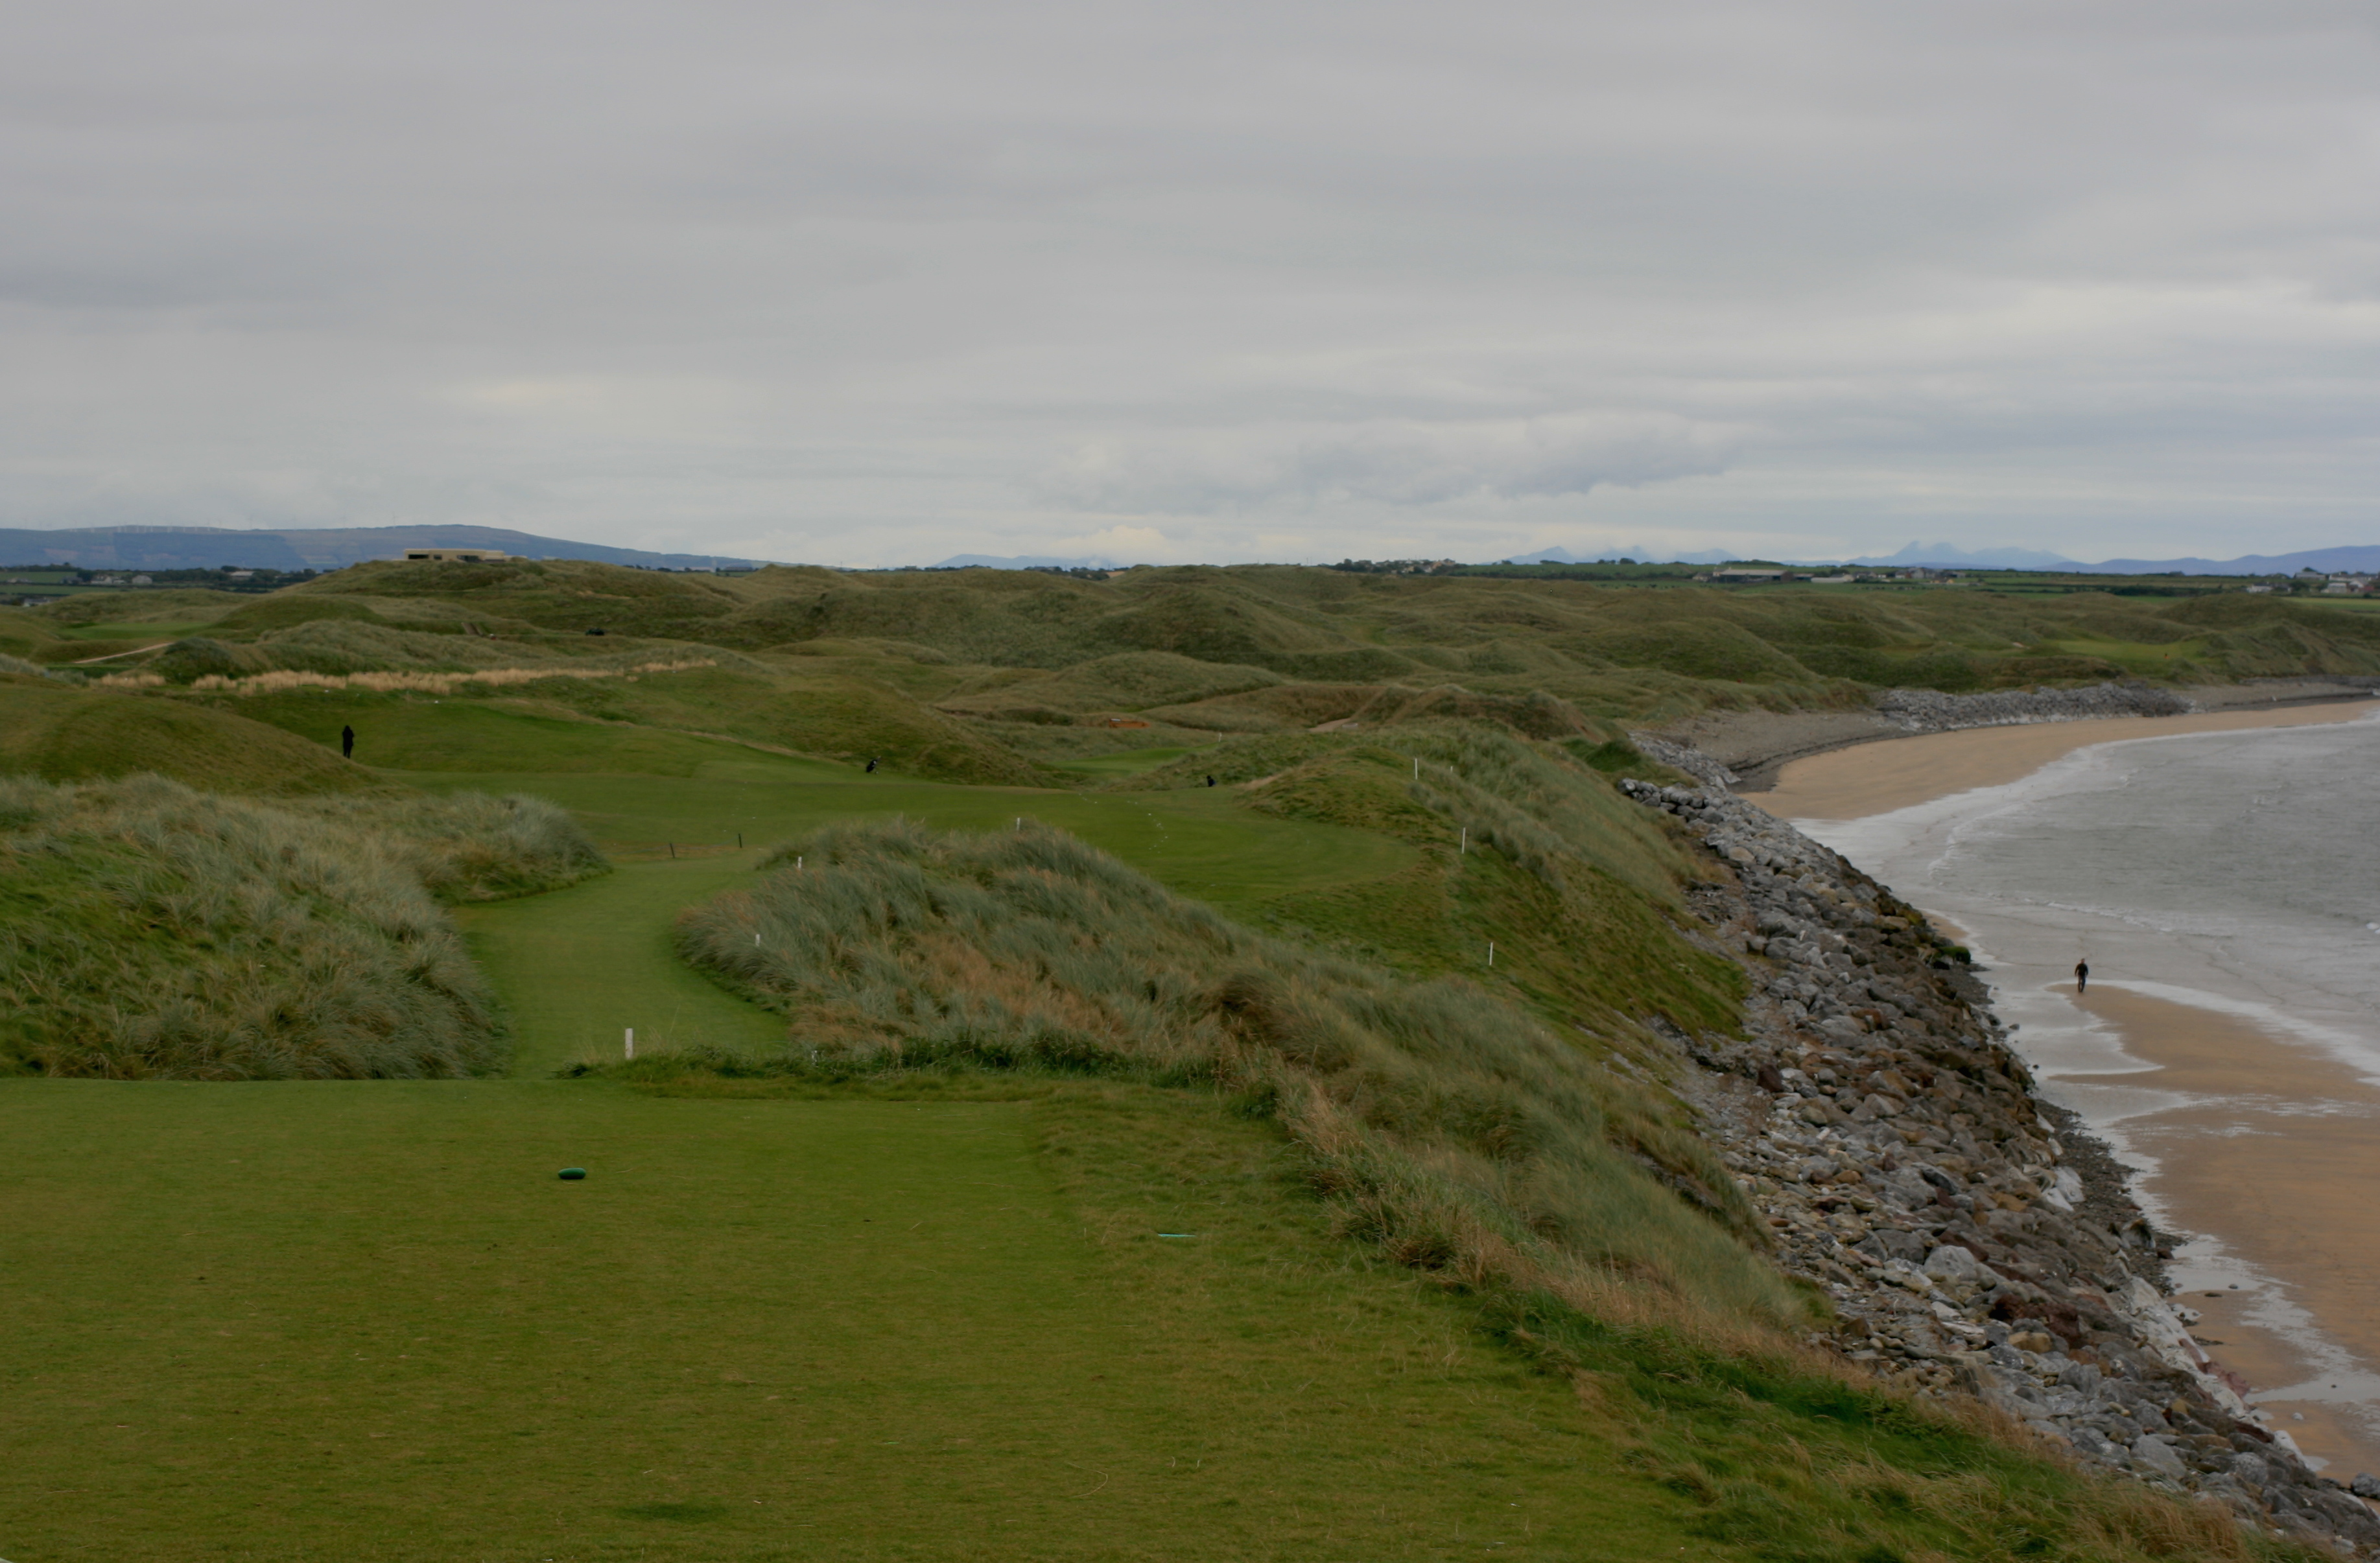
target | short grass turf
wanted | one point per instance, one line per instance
(1199, 842)
(367, 1322)
(585, 965)
(646, 790)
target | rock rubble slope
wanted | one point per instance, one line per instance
(1971, 1236)
(1930, 710)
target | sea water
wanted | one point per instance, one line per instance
(2237, 872)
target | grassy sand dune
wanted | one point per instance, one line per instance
(1007, 678)
(1578, 638)
(1451, 1129)
(63, 732)
(149, 932)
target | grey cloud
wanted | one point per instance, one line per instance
(1406, 464)
(893, 281)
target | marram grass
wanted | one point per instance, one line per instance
(150, 931)
(1449, 1127)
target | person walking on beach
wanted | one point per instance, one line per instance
(2082, 975)
(346, 743)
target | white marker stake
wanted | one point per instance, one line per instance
(1416, 767)
(1466, 840)
(1491, 951)
(632, 1042)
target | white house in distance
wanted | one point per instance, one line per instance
(452, 555)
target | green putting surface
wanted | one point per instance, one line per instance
(366, 1321)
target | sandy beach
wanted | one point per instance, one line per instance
(1894, 773)
(2273, 1152)
(2260, 1143)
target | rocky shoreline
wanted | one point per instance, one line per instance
(1929, 711)
(1975, 1238)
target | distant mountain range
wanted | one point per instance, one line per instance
(303, 547)
(2325, 559)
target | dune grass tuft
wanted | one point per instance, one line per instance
(150, 931)
(469, 846)
(68, 732)
(1447, 1127)
(18, 667)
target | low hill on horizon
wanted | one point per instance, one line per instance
(304, 548)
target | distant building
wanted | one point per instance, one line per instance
(1747, 575)
(452, 555)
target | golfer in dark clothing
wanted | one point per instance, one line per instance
(2081, 977)
(346, 743)
(1210, 781)
(872, 766)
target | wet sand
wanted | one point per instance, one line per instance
(1895, 773)
(2278, 1155)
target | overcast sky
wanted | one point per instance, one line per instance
(878, 283)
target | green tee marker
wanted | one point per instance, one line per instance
(572, 1174)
